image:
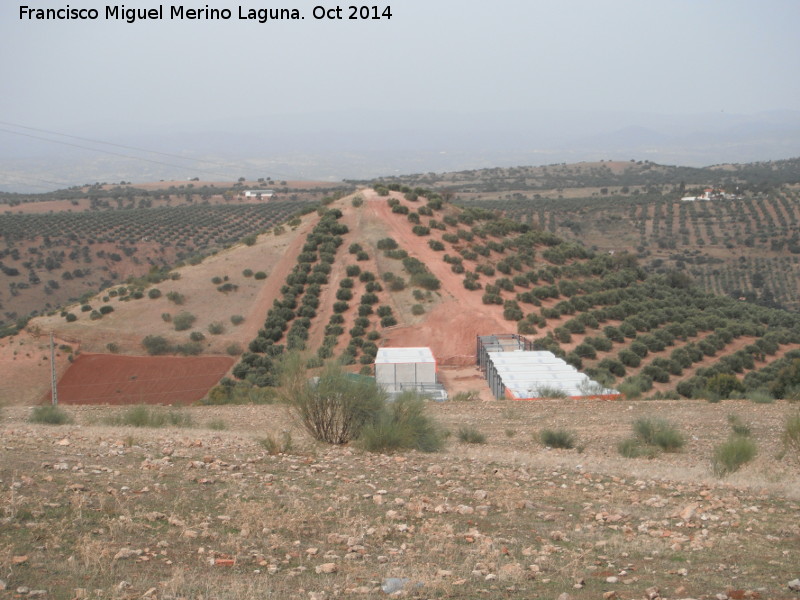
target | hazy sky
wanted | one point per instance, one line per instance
(662, 56)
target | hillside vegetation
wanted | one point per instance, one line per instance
(65, 245)
(745, 248)
(391, 266)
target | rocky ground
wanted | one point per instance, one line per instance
(212, 511)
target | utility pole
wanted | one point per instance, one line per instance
(53, 370)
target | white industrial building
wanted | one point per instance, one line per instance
(259, 193)
(517, 373)
(398, 370)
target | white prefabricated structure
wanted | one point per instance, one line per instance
(527, 375)
(259, 194)
(402, 369)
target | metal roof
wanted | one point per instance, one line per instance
(525, 374)
(404, 355)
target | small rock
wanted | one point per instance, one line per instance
(126, 553)
(391, 585)
(794, 585)
(653, 593)
(3, 585)
(564, 596)
(326, 568)
(18, 560)
(511, 572)
(610, 595)
(612, 579)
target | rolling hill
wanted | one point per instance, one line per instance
(403, 267)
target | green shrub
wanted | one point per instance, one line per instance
(216, 328)
(732, 454)
(658, 432)
(176, 297)
(237, 319)
(546, 391)
(417, 310)
(260, 275)
(275, 446)
(217, 425)
(197, 336)
(144, 416)
(234, 349)
(738, 426)
(183, 321)
(48, 414)
(402, 424)
(247, 272)
(791, 433)
(760, 397)
(335, 408)
(470, 435)
(156, 344)
(557, 438)
(154, 293)
(633, 448)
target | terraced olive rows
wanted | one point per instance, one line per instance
(606, 315)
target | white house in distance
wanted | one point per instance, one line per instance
(260, 194)
(408, 369)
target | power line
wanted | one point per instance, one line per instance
(127, 147)
(109, 152)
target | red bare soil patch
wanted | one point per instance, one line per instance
(109, 379)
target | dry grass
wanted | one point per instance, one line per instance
(196, 513)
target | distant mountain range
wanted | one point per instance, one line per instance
(364, 144)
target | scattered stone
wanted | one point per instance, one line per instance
(794, 585)
(3, 585)
(326, 568)
(564, 596)
(511, 572)
(18, 560)
(653, 593)
(127, 553)
(391, 585)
